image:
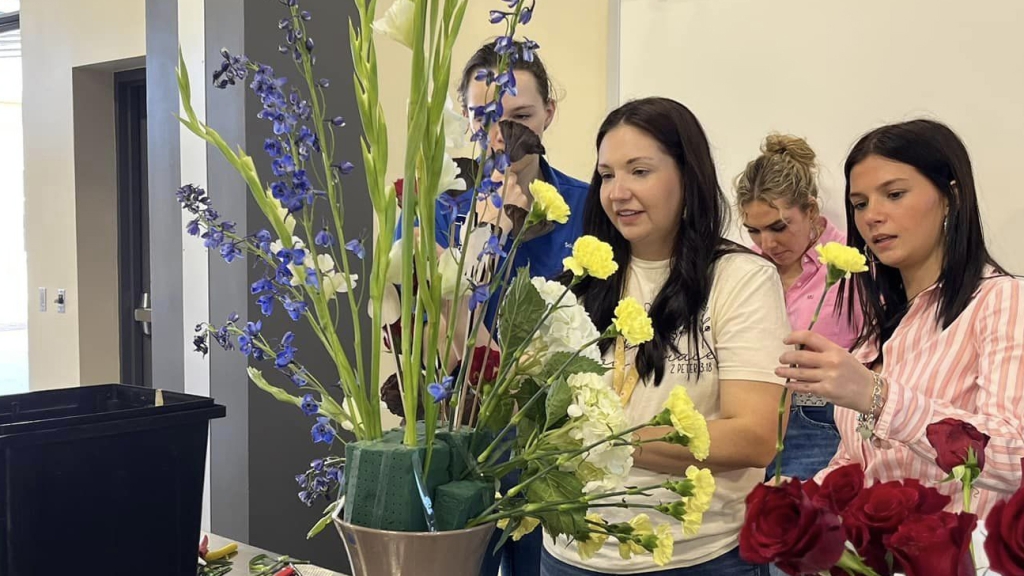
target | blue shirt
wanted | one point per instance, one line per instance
(543, 254)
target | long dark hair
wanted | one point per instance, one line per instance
(935, 151)
(679, 305)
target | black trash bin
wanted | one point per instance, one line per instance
(102, 480)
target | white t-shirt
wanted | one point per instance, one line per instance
(743, 327)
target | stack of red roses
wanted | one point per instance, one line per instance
(845, 527)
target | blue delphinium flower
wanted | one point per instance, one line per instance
(262, 240)
(323, 476)
(295, 308)
(309, 405)
(273, 147)
(442, 390)
(450, 205)
(286, 355)
(491, 248)
(232, 69)
(356, 247)
(298, 379)
(322, 431)
(528, 48)
(480, 295)
(283, 165)
(525, 15)
(266, 303)
(262, 285)
(324, 238)
(345, 168)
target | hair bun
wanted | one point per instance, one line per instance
(793, 146)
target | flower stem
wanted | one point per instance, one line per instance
(853, 564)
(778, 439)
(779, 445)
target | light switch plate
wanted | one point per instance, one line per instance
(42, 299)
(61, 300)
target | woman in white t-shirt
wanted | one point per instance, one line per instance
(719, 319)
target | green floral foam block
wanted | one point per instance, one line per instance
(456, 503)
(380, 483)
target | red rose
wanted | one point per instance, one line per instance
(399, 187)
(840, 487)
(485, 360)
(783, 526)
(934, 545)
(879, 510)
(951, 439)
(1004, 544)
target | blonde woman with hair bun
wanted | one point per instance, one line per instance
(777, 198)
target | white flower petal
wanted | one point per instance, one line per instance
(397, 23)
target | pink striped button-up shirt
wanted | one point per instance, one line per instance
(973, 371)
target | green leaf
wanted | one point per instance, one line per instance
(557, 486)
(513, 523)
(565, 364)
(257, 377)
(528, 388)
(323, 523)
(559, 398)
(520, 311)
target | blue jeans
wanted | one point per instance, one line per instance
(811, 441)
(728, 564)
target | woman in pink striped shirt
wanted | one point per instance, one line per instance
(944, 323)
(777, 197)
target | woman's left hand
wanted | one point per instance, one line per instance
(824, 369)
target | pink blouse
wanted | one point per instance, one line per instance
(973, 371)
(802, 297)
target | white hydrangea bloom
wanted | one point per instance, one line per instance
(596, 413)
(566, 329)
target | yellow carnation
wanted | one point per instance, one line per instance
(689, 422)
(547, 199)
(526, 525)
(841, 260)
(587, 548)
(632, 321)
(591, 256)
(703, 489)
(692, 522)
(666, 542)
(642, 526)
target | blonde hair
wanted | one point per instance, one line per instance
(786, 170)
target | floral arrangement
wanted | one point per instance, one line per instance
(534, 401)
(846, 526)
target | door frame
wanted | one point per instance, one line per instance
(130, 110)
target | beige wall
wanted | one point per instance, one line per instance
(58, 36)
(573, 36)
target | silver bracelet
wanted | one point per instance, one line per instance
(866, 420)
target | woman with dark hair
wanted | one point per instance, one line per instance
(719, 315)
(943, 332)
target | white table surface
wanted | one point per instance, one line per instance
(240, 561)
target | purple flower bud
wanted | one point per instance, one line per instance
(309, 44)
(305, 15)
(338, 121)
(324, 82)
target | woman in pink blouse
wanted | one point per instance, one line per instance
(777, 197)
(944, 323)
